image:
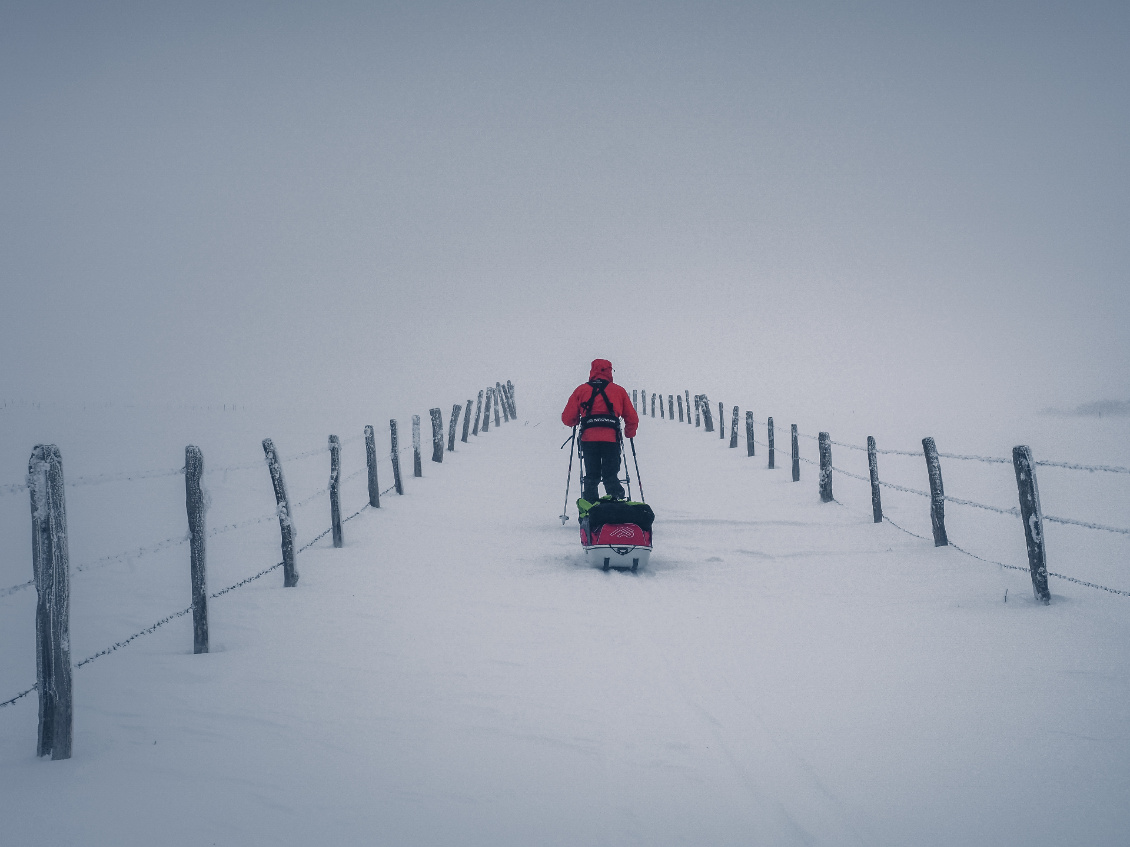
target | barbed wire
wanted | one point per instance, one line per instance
(1091, 468)
(13, 589)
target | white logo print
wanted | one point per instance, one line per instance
(623, 532)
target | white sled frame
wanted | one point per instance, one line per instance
(621, 557)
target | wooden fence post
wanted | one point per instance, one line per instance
(335, 492)
(688, 405)
(749, 441)
(282, 506)
(825, 468)
(772, 451)
(394, 455)
(661, 411)
(478, 413)
(707, 418)
(495, 403)
(500, 396)
(486, 411)
(937, 494)
(417, 466)
(796, 455)
(653, 404)
(455, 410)
(51, 567)
(734, 430)
(510, 394)
(721, 421)
(194, 503)
(371, 464)
(873, 470)
(437, 434)
(466, 422)
(679, 397)
(697, 409)
(1033, 517)
(671, 406)
(635, 400)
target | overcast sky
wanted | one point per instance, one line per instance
(845, 201)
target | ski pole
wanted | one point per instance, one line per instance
(627, 472)
(639, 480)
(569, 476)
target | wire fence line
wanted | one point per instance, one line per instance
(170, 542)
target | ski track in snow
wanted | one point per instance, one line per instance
(783, 672)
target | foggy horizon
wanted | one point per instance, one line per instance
(874, 205)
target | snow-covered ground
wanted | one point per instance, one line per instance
(783, 672)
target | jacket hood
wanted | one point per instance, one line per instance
(601, 369)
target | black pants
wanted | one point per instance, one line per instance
(602, 464)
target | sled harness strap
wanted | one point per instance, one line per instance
(607, 420)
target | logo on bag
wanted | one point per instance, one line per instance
(623, 532)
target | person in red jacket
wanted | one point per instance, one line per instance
(597, 406)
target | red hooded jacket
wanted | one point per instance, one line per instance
(621, 405)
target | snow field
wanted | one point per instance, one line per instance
(784, 672)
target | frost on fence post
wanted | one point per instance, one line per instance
(769, 441)
(194, 502)
(510, 394)
(937, 494)
(653, 404)
(455, 410)
(486, 410)
(282, 506)
(1033, 517)
(335, 493)
(749, 437)
(371, 464)
(697, 409)
(721, 421)
(707, 418)
(688, 405)
(873, 469)
(478, 413)
(417, 465)
(796, 455)
(437, 434)
(51, 567)
(825, 467)
(734, 430)
(679, 397)
(501, 397)
(466, 422)
(394, 455)
(670, 407)
(495, 402)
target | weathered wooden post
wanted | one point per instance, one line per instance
(495, 403)
(873, 469)
(194, 502)
(417, 461)
(51, 567)
(501, 390)
(697, 409)
(734, 430)
(437, 434)
(721, 421)
(688, 405)
(635, 402)
(510, 394)
(371, 465)
(749, 440)
(466, 423)
(825, 468)
(671, 406)
(478, 413)
(394, 455)
(796, 455)
(679, 398)
(937, 494)
(707, 418)
(282, 506)
(335, 492)
(661, 411)
(1033, 518)
(772, 451)
(486, 411)
(653, 405)
(455, 410)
